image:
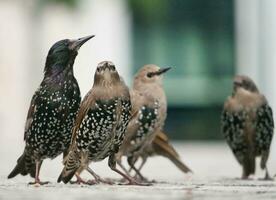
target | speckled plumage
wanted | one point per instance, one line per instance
(247, 125)
(102, 130)
(149, 111)
(52, 111)
(100, 124)
(55, 109)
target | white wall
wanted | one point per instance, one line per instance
(256, 50)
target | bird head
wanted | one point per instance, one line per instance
(151, 74)
(106, 73)
(63, 53)
(244, 82)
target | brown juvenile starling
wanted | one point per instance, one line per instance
(161, 146)
(52, 111)
(149, 111)
(247, 125)
(100, 125)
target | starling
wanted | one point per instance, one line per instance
(100, 125)
(149, 110)
(52, 111)
(161, 147)
(247, 125)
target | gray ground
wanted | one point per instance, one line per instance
(215, 177)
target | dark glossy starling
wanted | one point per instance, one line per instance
(100, 125)
(247, 125)
(52, 111)
(161, 146)
(149, 111)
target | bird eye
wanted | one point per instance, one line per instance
(112, 67)
(149, 75)
(98, 69)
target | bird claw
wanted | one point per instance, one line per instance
(100, 180)
(78, 182)
(38, 183)
(266, 178)
(134, 182)
(91, 182)
(144, 180)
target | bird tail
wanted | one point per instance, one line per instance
(25, 165)
(249, 165)
(163, 147)
(71, 165)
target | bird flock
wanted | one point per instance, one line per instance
(113, 121)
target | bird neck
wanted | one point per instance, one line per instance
(58, 75)
(152, 90)
(112, 81)
(147, 87)
(56, 65)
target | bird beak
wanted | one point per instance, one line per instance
(163, 70)
(76, 44)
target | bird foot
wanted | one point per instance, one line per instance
(78, 182)
(105, 181)
(134, 182)
(38, 183)
(150, 181)
(266, 178)
(92, 182)
(246, 178)
(144, 180)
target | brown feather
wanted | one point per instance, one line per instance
(161, 146)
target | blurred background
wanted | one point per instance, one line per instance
(205, 42)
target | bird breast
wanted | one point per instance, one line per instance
(244, 100)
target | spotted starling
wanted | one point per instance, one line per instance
(161, 146)
(100, 125)
(149, 111)
(52, 111)
(247, 125)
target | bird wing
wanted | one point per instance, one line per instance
(31, 112)
(37, 99)
(232, 126)
(143, 117)
(264, 131)
(136, 98)
(105, 121)
(87, 103)
(132, 127)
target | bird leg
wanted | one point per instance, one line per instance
(79, 180)
(264, 159)
(131, 181)
(131, 164)
(98, 179)
(244, 176)
(138, 171)
(134, 161)
(267, 176)
(37, 170)
(123, 168)
(144, 160)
